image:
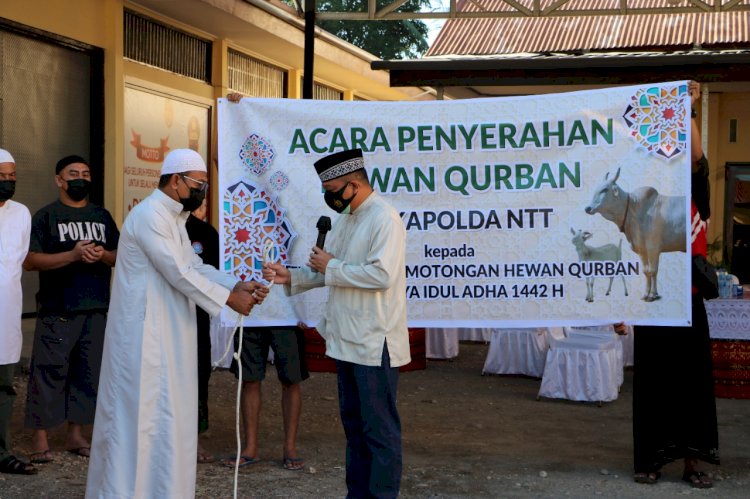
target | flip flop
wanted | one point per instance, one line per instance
(293, 463)
(244, 461)
(697, 479)
(206, 458)
(649, 478)
(81, 451)
(40, 457)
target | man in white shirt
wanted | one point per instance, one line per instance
(15, 228)
(364, 323)
(146, 428)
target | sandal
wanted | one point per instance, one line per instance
(697, 479)
(293, 463)
(84, 451)
(649, 478)
(41, 457)
(206, 458)
(14, 466)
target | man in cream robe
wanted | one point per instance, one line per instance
(364, 322)
(146, 426)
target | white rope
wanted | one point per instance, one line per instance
(267, 251)
(239, 398)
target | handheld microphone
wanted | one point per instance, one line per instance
(323, 226)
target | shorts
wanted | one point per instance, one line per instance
(288, 344)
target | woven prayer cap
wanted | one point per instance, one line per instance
(339, 164)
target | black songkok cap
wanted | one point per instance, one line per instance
(69, 160)
(339, 164)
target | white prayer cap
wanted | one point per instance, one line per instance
(181, 161)
(5, 157)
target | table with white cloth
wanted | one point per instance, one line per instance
(517, 351)
(728, 319)
(628, 347)
(481, 334)
(441, 343)
(729, 328)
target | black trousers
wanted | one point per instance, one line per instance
(367, 402)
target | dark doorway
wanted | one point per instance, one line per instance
(51, 105)
(737, 220)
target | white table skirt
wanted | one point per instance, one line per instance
(441, 343)
(517, 351)
(628, 347)
(474, 334)
(582, 369)
(728, 319)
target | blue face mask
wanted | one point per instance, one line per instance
(335, 200)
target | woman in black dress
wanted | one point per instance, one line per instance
(674, 409)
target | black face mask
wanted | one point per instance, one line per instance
(78, 189)
(7, 189)
(336, 201)
(194, 200)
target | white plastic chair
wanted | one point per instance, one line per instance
(517, 351)
(583, 369)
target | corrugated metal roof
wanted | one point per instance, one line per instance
(588, 33)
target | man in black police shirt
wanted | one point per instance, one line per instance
(73, 246)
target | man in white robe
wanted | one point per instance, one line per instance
(145, 431)
(15, 228)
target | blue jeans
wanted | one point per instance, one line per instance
(367, 402)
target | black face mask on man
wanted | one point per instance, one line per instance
(194, 199)
(78, 189)
(335, 200)
(7, 189)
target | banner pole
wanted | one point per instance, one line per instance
(307, 79)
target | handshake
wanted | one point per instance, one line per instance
(245, 295)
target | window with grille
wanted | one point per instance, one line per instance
(321, 92)
(254, 78)
(164, 47)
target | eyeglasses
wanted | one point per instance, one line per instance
(202, 184)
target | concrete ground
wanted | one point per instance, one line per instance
(465, 436)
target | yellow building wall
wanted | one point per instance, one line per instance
(100, 23)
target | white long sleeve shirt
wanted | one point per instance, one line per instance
(367, 286)
(15, 228)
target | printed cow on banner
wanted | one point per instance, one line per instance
(653, 223)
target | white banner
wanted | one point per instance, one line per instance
(558, 209)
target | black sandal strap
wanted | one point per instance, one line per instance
(14, 466)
